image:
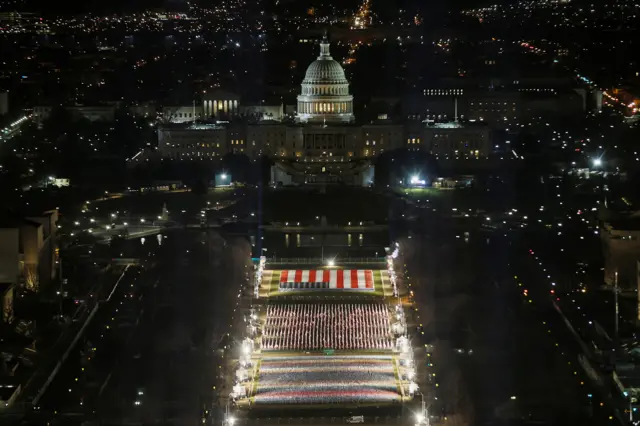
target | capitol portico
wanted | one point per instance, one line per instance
(325, 91)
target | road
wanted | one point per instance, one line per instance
(154, 341)
(170, 359)
(472, 302)
(99, 290)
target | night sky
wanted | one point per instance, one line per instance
(116, 6)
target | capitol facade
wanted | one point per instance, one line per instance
(315, 141)
(325, 91)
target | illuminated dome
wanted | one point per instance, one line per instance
(325, 70)
(325, 91)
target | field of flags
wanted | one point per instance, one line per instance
(327, 326)
(313, 347)
(327, 380)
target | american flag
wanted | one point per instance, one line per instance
(332, 279)
(337, 326)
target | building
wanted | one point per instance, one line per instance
(621, 250)
(220, 104)
(28, 250)
(321, 142)
(451, 140)
(497, 107)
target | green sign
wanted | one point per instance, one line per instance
(329, 351)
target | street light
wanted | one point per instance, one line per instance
(597, 163)
(423, 416)
(223, 176)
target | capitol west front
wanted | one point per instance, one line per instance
(323, 145)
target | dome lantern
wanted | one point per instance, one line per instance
(324, 48)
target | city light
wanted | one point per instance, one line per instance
(416, 181)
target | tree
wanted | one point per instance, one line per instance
(199, 187)
(238, 165)
(168, 114)
(263, 170)
(31, 278)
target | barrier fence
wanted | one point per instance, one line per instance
(321, 261)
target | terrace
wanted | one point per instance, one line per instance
(325, 336)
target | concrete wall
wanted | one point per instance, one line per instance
(280, 177)
(47, 256)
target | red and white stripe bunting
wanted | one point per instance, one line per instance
(337, 278)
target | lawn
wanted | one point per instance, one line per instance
(324, 380)
(422, 192)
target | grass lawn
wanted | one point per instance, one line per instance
(254, 387)
(271, 287)
(423, 192)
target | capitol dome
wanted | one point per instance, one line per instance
(325, 91)
(325, 70)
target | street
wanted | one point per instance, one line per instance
(149, 355)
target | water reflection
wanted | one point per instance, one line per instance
(353, 244)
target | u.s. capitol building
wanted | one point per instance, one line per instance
(317, 143)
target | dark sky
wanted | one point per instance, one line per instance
(96, 6)
(115, 6)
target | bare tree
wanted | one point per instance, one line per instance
(169, 114)
(7, 308)
(31, 278)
